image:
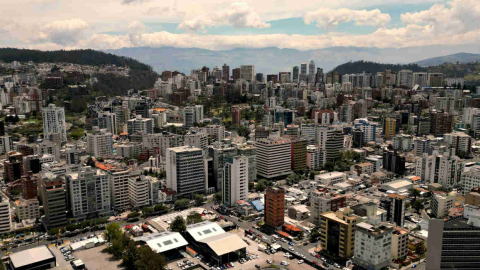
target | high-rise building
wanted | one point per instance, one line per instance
(337, 234)
(185, 170)
(247, 72)
(107, 121)
(225, 72)
(420, 79)
(369, 129)
(470, 178)
(442, 169)
(138, 191)
(250, 151)
(389, 127)
(274, 207)
(299, 154)
(196, 139)
(236, 115)
(220, 153)
(373, 244)
(442, 203)
(54, 122)
(303, 72)
(397, 209)
(461, 142)
(441, 123)
(235, 180)
(453, 244)
(54, 203)
(13, 166)
(393, 162)
(295, 74)
(311, 72)
(118, 179)
(316, 157)
(140, 125)
(89, 193)
(323, 201)
(405, 78)
(29, 186)
(334, 144)
(5, 215)
(6, 144)
(399, 243)
(27, 209)
(273, 157)
(435, 79)
(100, 143)
(236, 73)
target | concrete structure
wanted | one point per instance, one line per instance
(373, 245)
(461, 142)
(377, 162)
(436, 168)
(100, 143)
(322, 201)
(250, 151)
(337, 235)
(27, 209)
(235, 180)
(369, 129)
(273, 157)
(397, 209)
(54, 122)
(389, 127)
(399, 243)
(138, 191)
(442, 203)
(330, 179)
(298, 212)
(298, 154)
(274, 207)
(247, 72)
(5, 215)
(185, 170)
(34, 258)
(316, 157)
(54, 203)
(140, 125)
(472, 198)
(364, 168)
(470, 179)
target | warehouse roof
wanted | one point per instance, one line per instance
(224, 243)
(204, 230)
(30, 256)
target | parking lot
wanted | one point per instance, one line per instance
(94, 259)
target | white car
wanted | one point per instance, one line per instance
(336, 265)
(269, 261)
(286, 254)
(303, 256)
(291, 248)
(300, 262)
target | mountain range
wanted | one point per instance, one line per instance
(274, 60)
(452, 58)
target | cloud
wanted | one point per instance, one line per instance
(238, 14)
(326, 17)
(127, 2)
(458, 16)
(165, 12)
(62, 32)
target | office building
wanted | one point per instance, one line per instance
(250, 151)
(442, 203)
(311, 72)
(138, 191)
(396, 213)
(303, 72)
(393, 162)
(273, 157)
(295, 73)
(334, 144)
(453, 244)
(299, 154)
(140, 125)
(5, 215)
(185, 170)
(225, 72)
(220, 153)
(368, 129)
(100, 143)
(54, 122)
(373, 243)
(13, 167)
(420, 79)
(435, 79)
(316, 157)
(247, 72)
(323, 201)
(27, 209)
(235, 181)
(441, 123)
(54, 203)
(89, 193)
(337, 235)
(274, 207)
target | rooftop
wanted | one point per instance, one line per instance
(30, 256)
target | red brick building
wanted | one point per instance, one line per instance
(275, 207)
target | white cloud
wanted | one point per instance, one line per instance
(458, 16)
(165, 12)
(238, 14)
(326, 17)
(63, 32)
(126, 2)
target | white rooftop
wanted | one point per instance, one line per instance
(204, 230)
(164, 241)
(30, 256)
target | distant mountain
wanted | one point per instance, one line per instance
(453, 58)
(274, 60)
(83, 57)
(372, 67)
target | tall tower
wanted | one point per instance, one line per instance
(275, 207)
(311, 72)
(295, 74)
(54, 122)
(235, 180)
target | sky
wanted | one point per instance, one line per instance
(223, 25)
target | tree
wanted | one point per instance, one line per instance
(314, 234)
(251, 185)
(301, 235)
(218, 197)
(112, 231)
(149, 260)
(198, 199)
(181, 204)
(160, 208)
(53, 231)
(414, 193)
(194, 218)
(147, 211)
(118, 245)
(178, 225)
(312, 175)
(133, 215)
(418, 206)
(130, 255)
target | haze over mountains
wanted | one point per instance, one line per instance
(273, 60)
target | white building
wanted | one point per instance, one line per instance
(331, 178)
(420, 78)
(235, 180)
(185, 170)
(27, 209)
(118, 179)
(369, 129)
(196, 139)
(405, 78)
(377, 162)
(247, 72)
(403, 142)
(442, 203)
(5, 215)
(373, 245)
(54, 122)
(89, 193)
(140, 125)
(316, 157)
(273, 157)
(138, 191)
(6, 144)
(442, 169)
(461, 142)
(470, 179)
(100, 143)
(323, 202)
(468, 114)
(216, 131)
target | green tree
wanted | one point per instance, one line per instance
(314, 234)
(301, 235)
(149, 260)
(178, 225)
(251, 185)
(112, 231)
(418, 206)
(194, 218)
(160, 208)
(53, 231)
(133, 215)
(130, 255)
(414, 193)
(218, 197)
(182, 204)
(312, 175)
(147, 211)
(198, 199)
(117, 246)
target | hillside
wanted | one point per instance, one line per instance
(373, 68)
(82, 57)
(461, 58)
(273, 60)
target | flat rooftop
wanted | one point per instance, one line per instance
(30, 256)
